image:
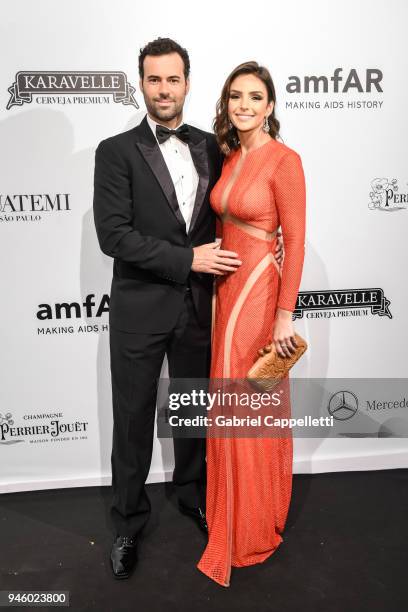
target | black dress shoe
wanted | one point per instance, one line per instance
(197, 514)
(124, 556)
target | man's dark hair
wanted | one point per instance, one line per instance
(162, 46)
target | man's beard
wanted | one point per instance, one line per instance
(164, 114)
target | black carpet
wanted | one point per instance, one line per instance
(345, 549)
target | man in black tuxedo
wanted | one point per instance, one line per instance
(152, 215)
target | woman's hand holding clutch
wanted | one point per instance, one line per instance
(283, 333)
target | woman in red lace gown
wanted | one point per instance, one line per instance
(249, 480)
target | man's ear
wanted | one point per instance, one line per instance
(141, 84)
(187, 85)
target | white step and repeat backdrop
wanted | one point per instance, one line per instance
(68, 79)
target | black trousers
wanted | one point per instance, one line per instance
(136, 361)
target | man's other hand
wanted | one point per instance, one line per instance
(211, 259)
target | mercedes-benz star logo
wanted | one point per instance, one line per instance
(343, 405)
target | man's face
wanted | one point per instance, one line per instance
(164, 87)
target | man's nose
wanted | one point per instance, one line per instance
(164, 88)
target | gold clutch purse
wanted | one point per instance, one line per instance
(270, 368)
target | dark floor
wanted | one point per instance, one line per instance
(345, 549)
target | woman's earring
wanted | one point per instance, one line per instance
(230, 125)
(266, 128)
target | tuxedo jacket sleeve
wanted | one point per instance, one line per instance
(113, 221)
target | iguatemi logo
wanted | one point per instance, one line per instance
(22, 207)
(336, 91)
(341, 303)
(74, 87)
(385, 195)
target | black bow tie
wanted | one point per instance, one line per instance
(163, 133)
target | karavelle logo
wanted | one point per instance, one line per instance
(341, 303)
(72, 87)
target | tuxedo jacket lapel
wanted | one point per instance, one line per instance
(148, 147)
(198, 150)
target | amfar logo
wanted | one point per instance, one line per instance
(22, 206)
(341, 303)
(385, 196)
(340, 82)
(318, 84)
(66, 311)
(54, 431)
(60, 87)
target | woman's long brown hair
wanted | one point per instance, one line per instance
(228, 138)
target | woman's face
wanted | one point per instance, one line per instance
(248, 103)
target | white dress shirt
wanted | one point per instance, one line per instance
(182, 170)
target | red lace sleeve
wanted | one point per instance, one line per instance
(290, 198)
